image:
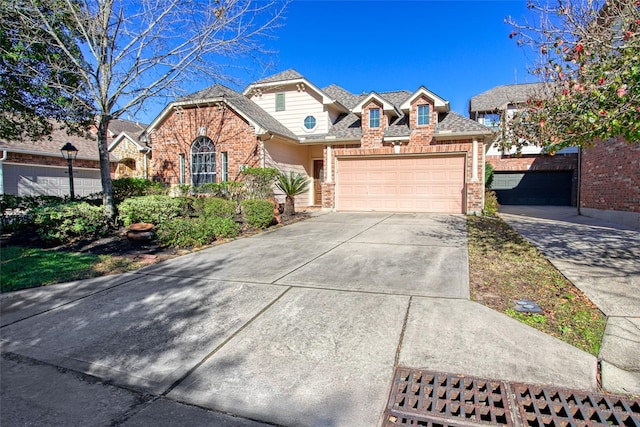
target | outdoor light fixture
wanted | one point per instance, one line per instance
(70, 153)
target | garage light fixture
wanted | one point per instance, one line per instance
(70, 153)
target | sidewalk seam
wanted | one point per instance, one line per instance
(177, 382)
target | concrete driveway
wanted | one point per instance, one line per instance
(302, 325)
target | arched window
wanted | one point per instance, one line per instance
(203, 161)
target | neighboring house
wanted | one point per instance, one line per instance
(391, 151)
(610, 181)
(530, 177)
(38, 168)
(133, 155)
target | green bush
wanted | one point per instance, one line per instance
(223, 227)
(188, 232)
(72, 221)
(259, 182)
(153, 209)
(125, 188)
(258, 213)
(219, 208)
(491, 204)
(488, 175)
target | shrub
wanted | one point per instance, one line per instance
(187, 232)
(258, 213)
(259, 182)
(488, 175)
(153, 209)
(223, 227)
(219, 208)
(125, 188)
(68, 222)
(490, 203)
(184, 232)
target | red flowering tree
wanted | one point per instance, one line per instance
(589, 53)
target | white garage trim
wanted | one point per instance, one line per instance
(402, 183)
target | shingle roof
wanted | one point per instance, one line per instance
(341, 95)
(455, 123)
(396, 97)
(499, 97)
(289, 74)
(399, 127)
(118, 126)
(87, 145)
(242, 103)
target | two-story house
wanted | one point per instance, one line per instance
(389, 151)
(528, 177)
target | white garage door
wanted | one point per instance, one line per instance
(401, 184)
(29, 180)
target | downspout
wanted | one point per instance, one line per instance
(2, 159)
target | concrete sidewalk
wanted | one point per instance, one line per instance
(603, 260)
(303, 325)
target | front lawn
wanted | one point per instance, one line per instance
(504, 267)
(22, 267)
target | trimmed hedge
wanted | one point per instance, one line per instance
(153, 209)
(258, 213)
(187, 232)
(71, 221)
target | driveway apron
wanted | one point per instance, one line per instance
(302, 325)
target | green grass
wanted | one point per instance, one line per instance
(504, 267)
(22, 268)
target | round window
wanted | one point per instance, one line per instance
(310, 122)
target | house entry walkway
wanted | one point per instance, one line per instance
(303, 325)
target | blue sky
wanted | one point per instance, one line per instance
(456, 49)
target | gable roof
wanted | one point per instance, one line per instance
(341, 95)
(439, 103)
(455, 125)
(262, 121)
(500, 97)
(87, 144)
(289, 74)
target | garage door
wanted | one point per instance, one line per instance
(401, 184)
(533, 188)
(29, 180)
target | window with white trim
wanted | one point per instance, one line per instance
(309, 122)
(279, 101)
(423, 115)
(203, 161)
(374, 118)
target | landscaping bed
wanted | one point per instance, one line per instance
(504, 268)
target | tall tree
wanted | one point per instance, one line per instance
(29, 62)
(589, 54)
(135, 51)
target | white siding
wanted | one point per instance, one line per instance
(298, 105)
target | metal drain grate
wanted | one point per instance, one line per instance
(435, 399)
(546, 406)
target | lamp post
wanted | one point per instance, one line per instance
(70, 152)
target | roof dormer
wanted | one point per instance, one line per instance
(387, 106)
(440, 105)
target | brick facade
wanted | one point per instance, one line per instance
(610, 176)
(40, 160)
(373, 137)
(559, 162)
(229, 132)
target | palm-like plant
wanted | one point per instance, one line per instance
(291, 185)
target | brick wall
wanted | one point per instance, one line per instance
(34, 159)
(610, 176)
(558, 162)
(229, 132)
(373, 137)
(422, 134)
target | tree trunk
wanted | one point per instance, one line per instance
(289, 206)
(105, 167)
